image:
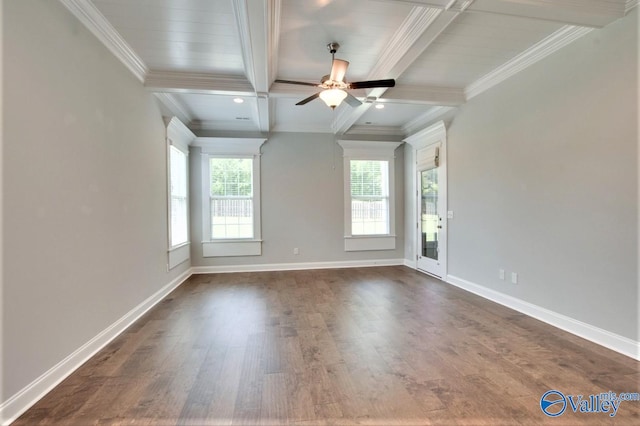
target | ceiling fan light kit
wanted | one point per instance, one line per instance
(335, 86)
(333, 97)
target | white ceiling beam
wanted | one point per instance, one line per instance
(259, 28)
(585, 13)
(188, 82)
(421, 27)
(95, 22)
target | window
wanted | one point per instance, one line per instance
(179, 137)
(369, 195)
(178, 191)
(230, 196)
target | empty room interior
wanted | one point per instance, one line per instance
(335, 212)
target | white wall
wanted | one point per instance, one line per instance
(85, 227)
(302, 204)
(543, 181)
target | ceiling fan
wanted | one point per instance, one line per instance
(335, 86)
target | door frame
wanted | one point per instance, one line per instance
(440, 268)
(434, 134)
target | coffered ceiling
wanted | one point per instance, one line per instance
(200, 55)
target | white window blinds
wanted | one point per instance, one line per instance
(179, 209)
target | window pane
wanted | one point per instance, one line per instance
(369, 178)
(178, 181)
(178, 162)
(231, 218)
(369, 216)
(178, 220)
(231, 177)
(369, 197)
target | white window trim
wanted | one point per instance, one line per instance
(180, 137)
(230, 148)
(369, 150)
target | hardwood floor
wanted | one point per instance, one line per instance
(379, 346)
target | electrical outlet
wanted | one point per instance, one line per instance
(450, 214)
(501, 274)
(514, 277)
(296, 251)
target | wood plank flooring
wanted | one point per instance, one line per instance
(377, 346)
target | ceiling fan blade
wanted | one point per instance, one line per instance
(301, 83)
(309, 99)
(338, 69)
(352, 100)
(372, 83)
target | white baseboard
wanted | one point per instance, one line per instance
(410, 263)
(295, 266)
(615, 342)
(11, 409)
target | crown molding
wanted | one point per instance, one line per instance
(180, 82)
(99, 26)
(630, 4)
(176, 107)
(434, 133)
(556, 41)
(426, 119)
(179, 134)
(427, 95)
(586, 13)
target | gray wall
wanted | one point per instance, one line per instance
(84, 187)
(543, 181)
(302, 204)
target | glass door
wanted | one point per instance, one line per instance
(430, 221)
(431, 250)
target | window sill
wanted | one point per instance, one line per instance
(369, 242)
(179, 254)
(228, 248)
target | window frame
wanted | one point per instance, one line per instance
(385, 198)
(179, 137)
(369, 151)
(230, 148)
